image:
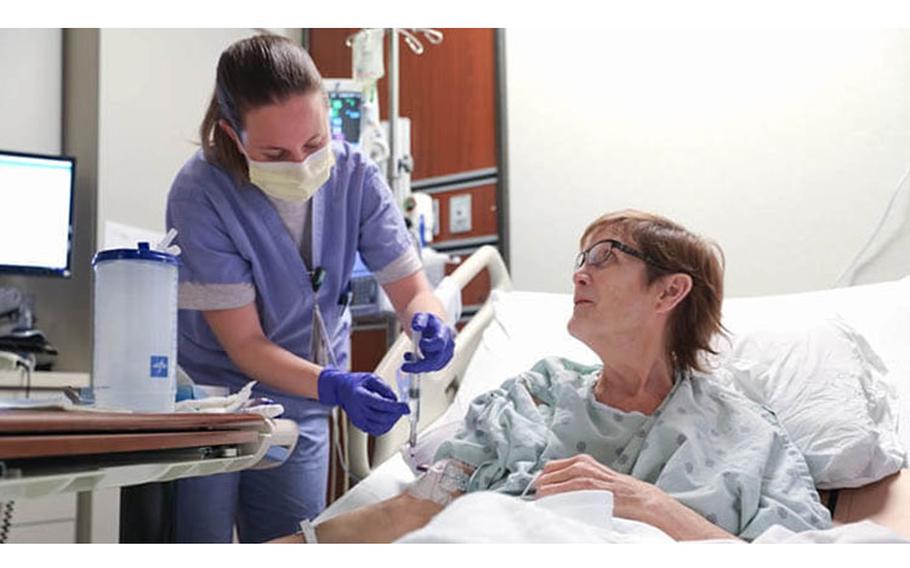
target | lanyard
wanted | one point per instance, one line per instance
(321, 341)
(317, 274)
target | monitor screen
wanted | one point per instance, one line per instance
(36, 202)
(345, 114)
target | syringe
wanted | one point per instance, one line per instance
(414, 405)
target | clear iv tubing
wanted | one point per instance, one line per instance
(530, 485)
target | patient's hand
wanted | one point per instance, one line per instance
(632, 498)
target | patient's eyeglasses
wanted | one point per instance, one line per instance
(599, 253)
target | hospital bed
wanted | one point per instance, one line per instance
(515, 329)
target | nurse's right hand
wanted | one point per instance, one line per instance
(371, 404)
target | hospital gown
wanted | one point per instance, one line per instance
(708, 447)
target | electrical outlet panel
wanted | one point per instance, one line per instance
(460, 213)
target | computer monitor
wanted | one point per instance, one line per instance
(36, 213)
(345, 109)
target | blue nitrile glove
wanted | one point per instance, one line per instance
(436, 344)
(371, 404)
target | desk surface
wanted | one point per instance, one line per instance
(87, 451)
(41, 433)
(42, 421)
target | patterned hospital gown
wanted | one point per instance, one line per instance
(708, 447)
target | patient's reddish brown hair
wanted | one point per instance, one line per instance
(695, 320)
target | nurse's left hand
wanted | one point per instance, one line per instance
(436, 344)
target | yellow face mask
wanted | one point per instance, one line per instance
(293, 181)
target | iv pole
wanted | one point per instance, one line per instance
(394, 163)
(398, 163)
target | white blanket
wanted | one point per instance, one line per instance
(488, 517)
(861, 532)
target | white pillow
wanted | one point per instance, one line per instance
(827, 387)
(879, 312)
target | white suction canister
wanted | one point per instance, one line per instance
(135, 333)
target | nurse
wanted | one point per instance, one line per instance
(270, 214)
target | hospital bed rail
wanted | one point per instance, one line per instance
(437, 389)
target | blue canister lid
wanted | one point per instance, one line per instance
(142, 253)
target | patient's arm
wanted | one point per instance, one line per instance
(380, 522)
(393, 518)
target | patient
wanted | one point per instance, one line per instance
(677, 450)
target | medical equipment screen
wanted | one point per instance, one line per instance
(36, 213)
(345, 115)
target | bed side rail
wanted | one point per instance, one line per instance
(437, 389)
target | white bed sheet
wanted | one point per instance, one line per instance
(387, 480)
(487, 517)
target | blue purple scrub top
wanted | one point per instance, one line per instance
(232, 237)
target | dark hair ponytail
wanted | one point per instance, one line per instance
(252, 72)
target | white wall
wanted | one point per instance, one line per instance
(155, 85)
(782, 145)
(31, 78)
